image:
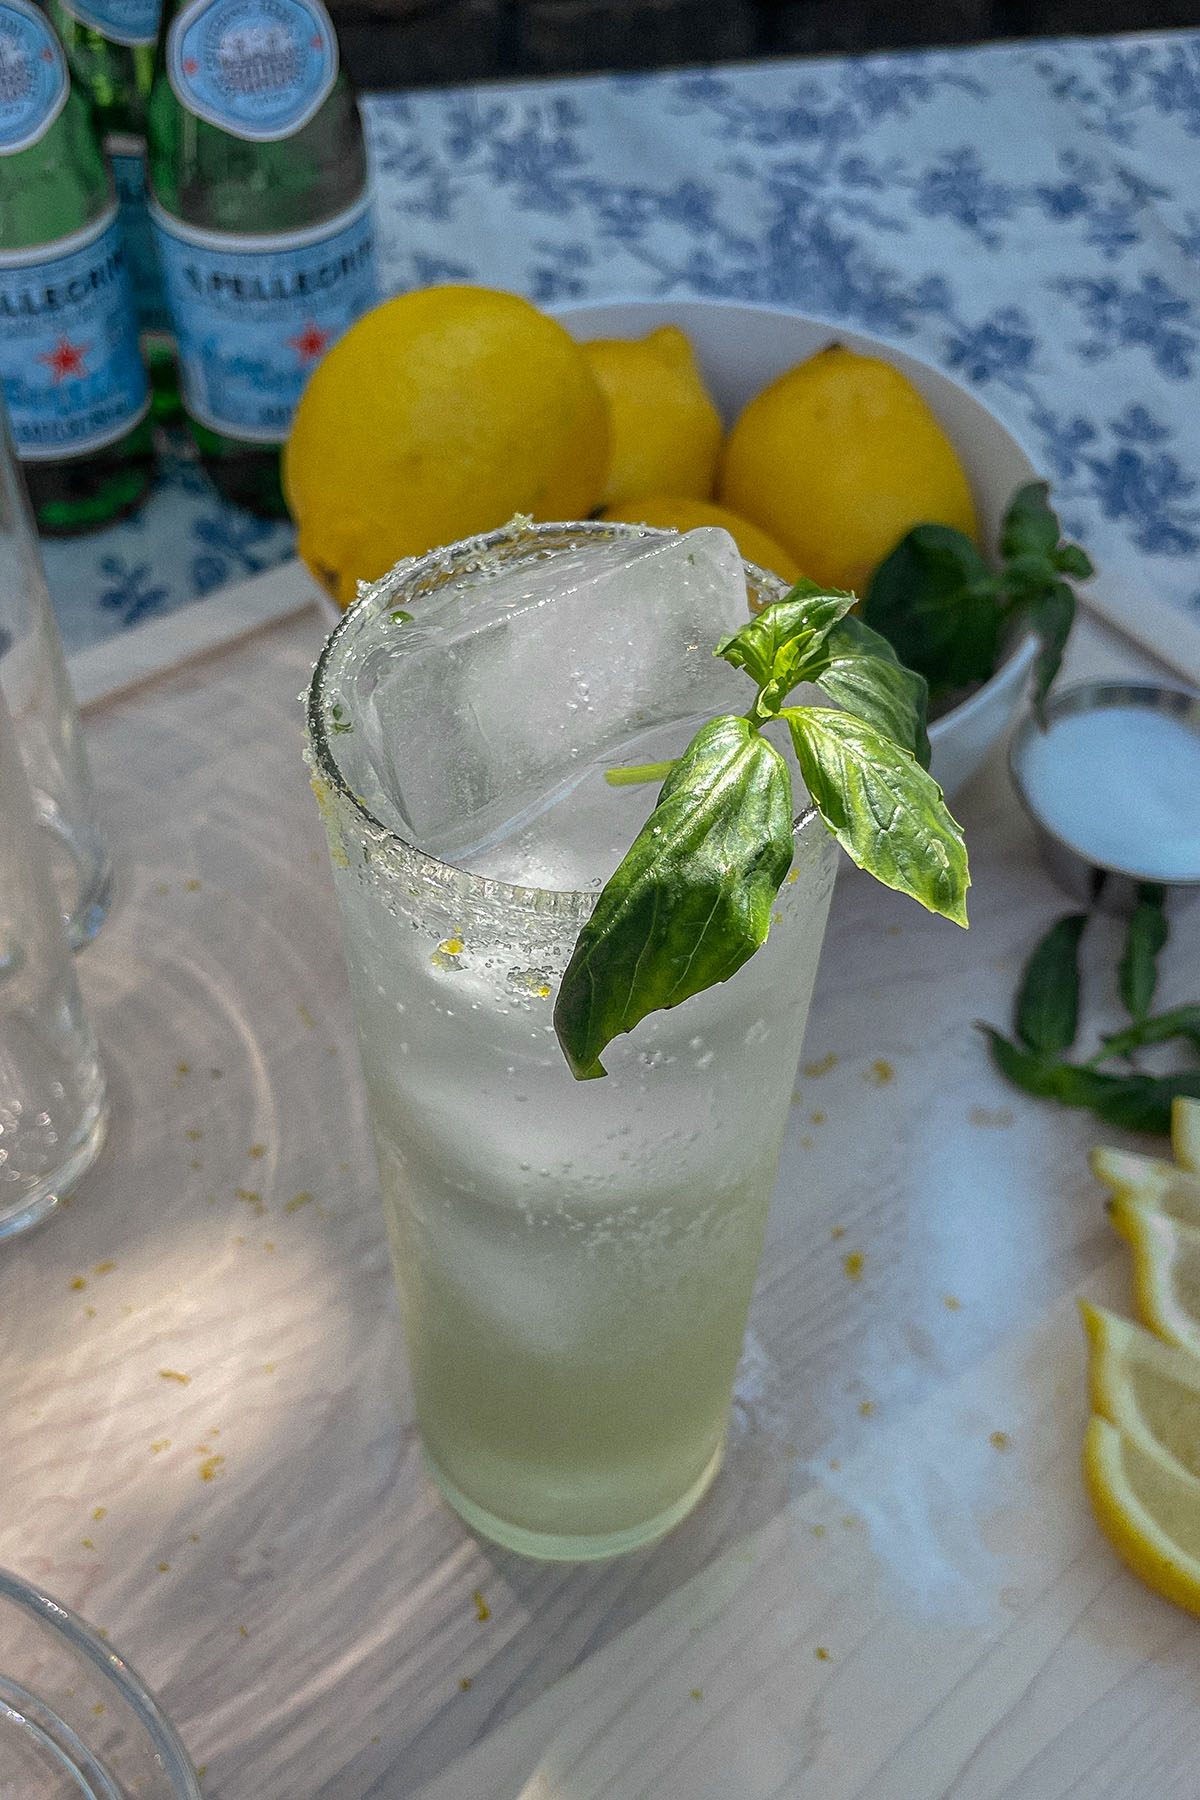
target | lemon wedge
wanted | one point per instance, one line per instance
(1149, 1182)
(1149, 1389)
(1166, 1269)
(1185, 1132)
(1148, 1507)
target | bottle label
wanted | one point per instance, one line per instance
(33, 76)
(120, 21)
(69, 361)
(257, 68)
(254, 315)
(127, 159)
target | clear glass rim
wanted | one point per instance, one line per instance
(426, 574)
(85, 1639)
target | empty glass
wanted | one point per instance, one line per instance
(52, 1100)
(37, 689)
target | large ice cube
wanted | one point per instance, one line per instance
(480, 712)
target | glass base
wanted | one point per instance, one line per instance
(46, 1197)
(545, 1546)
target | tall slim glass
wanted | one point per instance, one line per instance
(52, 1098)
(37, 689)
(575, 1260)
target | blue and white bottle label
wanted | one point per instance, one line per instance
(257, 68)
(254, 316)
(127, 158)
(120, 21)
(33, 76)
(69, 361)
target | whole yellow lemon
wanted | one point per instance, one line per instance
(440, 413)
(666, 432)
(680, 513)
(838, 458)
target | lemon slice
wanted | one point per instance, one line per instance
(1148, 1507)
(1185, 1132)
(1148, 1388)
(1166, 1270)
(1149, 1182)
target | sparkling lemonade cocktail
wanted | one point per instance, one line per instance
(575, 1259)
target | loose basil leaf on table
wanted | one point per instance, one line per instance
(1132, 1102)
(1046, 1019)
(1137, 972)
(1181, 1023)
(692, 898)
(1047, 1009)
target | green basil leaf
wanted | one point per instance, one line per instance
(1132, 1102)
(1031, 525)
(1143, 1102)
(777, 644)
(1033, 1071)
(863, 674)
(1027, 577)
(1070, 559)
(884, 809)
(1047, 1008)
(930, 598)
(1137, 971)
(1052, 618)
(691, 900)
(1159, 1028)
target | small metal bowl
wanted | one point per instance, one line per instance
(1085, 829)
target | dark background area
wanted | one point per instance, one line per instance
(419, 43)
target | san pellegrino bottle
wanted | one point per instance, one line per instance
(110, 50)
(262, 217)
(76, 388)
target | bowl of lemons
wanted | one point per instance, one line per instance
(446, 411)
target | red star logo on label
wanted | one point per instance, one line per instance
(65, 359)
(316, 43)
(310, 342)
(47, 54)
(190, 65)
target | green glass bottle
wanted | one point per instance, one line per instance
(262, 218)
(73, 379)
(110, 50)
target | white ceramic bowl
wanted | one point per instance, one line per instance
(741, 348)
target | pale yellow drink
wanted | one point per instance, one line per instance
(575, 1260)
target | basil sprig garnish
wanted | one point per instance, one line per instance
(691, 901)
(1046, 1025)
(946, 612)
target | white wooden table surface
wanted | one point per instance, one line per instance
(894, 1590)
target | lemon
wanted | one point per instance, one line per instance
(675, 513)
(1149, 1509)
(1149, 1182)
(441, 413)
(1150, 1389)
(838, 458)
(1185, 1132)
(1166, 1270)
(666, 432)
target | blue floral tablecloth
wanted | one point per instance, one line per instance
(1026, 216)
